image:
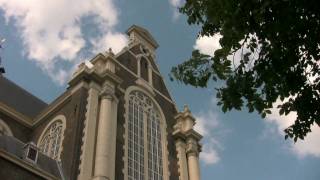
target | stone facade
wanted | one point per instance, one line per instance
(93, 137)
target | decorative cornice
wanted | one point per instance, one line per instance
(193, 134)
(190, 134)
(178, 135)
(104, 70)
(91, 75)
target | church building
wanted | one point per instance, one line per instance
(116, 120)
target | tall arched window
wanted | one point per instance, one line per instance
(51, 139)
(5, 129)
(145, 154)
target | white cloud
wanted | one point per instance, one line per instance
(310, 146)
(51, 30)
(208, 44)
(207, 124)
(206, 121)
(116, 41)
(209, 154)
(176, 4)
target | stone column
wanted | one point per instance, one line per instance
(150, 71)
(138, 67)
(182, 159)
(106, 138)
(193, 159)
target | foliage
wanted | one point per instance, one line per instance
(281, 61)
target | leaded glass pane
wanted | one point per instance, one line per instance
(142, 110)
(51, 140)
(135, 140)
(154, 146)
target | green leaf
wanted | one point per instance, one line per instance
(280, 53)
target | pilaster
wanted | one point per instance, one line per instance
(89, 134)
(182, 159)
(187, 145)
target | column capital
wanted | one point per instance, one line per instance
(108, 92)
(192, 141)
(180, 142)
(106, 95)
(193, 148)
(94, 85)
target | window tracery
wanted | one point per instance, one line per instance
(51, 140)
(144, 139)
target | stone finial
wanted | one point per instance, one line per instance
(110, 52)
(186, 108)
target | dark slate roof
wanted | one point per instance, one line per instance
(16, 148)
(19, 99)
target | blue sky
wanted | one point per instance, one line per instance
(45, 40)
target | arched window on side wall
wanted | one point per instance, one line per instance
(5, 129)
(50, 141)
